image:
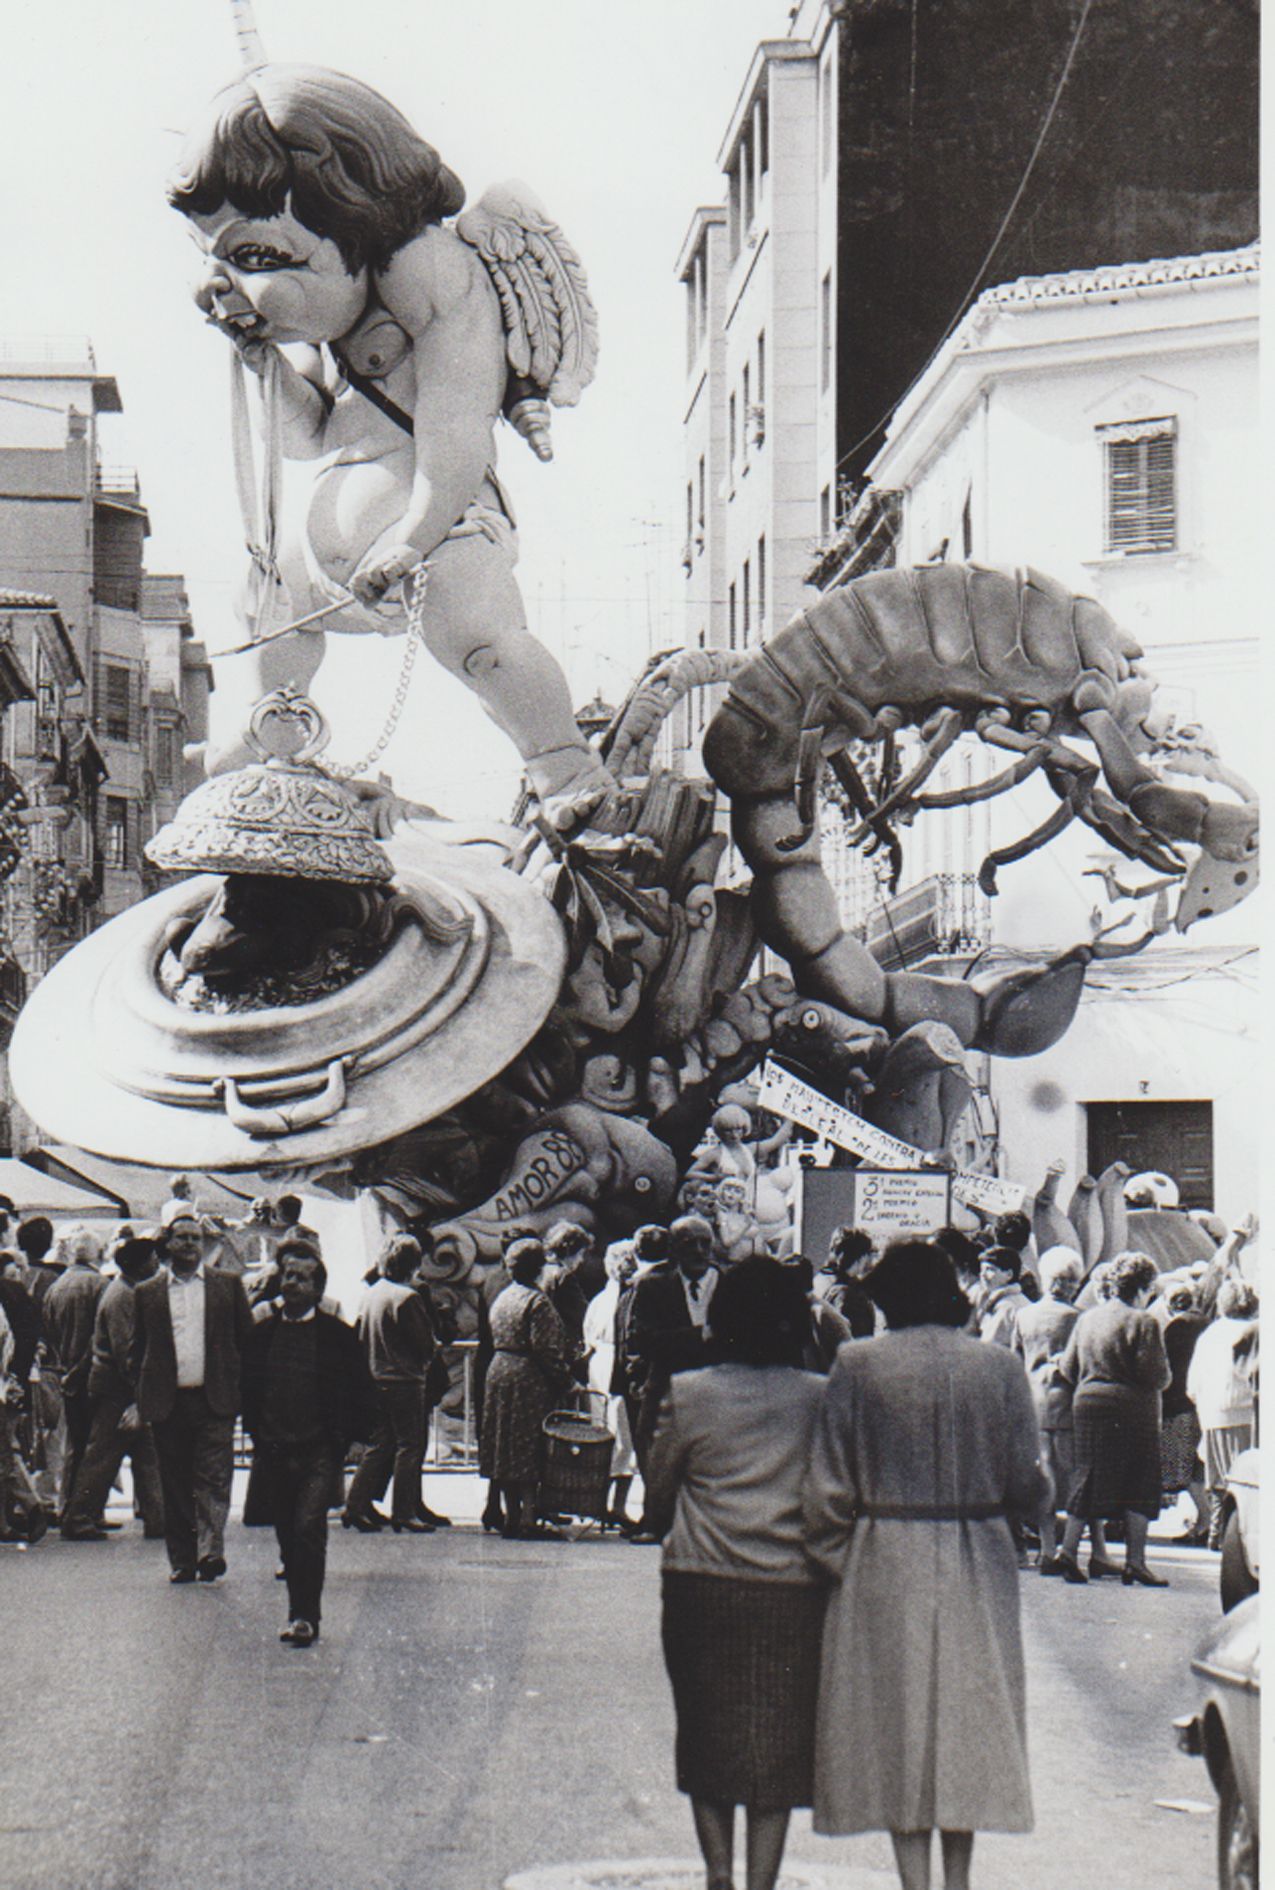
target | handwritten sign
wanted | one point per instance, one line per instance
(891, 1203)
(789, 1096)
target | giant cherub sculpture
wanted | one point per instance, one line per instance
(386, 340)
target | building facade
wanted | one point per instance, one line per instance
(1101, 425)
(117, 682)
(910, 412)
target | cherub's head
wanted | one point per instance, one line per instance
(300, 181)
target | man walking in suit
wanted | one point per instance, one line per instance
(191, 1326)
(307, 1394)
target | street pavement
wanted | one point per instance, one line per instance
(478, 1710)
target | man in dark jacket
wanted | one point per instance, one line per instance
(667, 1328)
(70, 1312)
(115, 1431)
(307, 1395)
(191, 1325)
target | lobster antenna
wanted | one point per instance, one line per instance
(252, 53)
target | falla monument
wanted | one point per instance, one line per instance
(541, 1020)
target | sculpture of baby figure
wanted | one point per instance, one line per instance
(321, 218)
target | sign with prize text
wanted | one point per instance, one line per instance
(891, 1203)
(789, 1096)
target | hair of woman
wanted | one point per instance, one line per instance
(759, 1314)
(524, 1260)
(1131, 1274)
(1060, 1263)
(914, 1284)
(1236, 1299)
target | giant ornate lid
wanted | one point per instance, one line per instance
(282, 815)
(103, 1058)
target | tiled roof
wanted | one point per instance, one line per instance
(1077, 284)
(26, 600)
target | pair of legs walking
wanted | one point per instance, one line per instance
(398, 1445)
(195, 1447)
(108, 1445)
(299, 1478)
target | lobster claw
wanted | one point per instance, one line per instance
(1226, 831)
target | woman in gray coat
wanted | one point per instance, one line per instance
(926, 1445)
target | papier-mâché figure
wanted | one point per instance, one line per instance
(321, 217)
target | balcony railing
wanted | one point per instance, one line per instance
(943, 916)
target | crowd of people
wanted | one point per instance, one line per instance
(800, 1437)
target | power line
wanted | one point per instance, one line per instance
(1006, 220)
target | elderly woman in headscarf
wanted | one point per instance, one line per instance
(925, 1450)
(1116, 1365)
(1041, 1332)
(605, 1387)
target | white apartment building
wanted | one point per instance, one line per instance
(758, 416)
(1102, 426)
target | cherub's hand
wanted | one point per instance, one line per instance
(381, 568)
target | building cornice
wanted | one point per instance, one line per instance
(706, 216)
(771, 52)
(978, 352)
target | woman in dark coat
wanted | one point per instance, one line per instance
(925, 1449)
(1116, 1364)
(531, 1363)
(742, 1607)
(1179, 1426)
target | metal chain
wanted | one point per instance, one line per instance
(416, 582)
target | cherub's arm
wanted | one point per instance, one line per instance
(440, 293)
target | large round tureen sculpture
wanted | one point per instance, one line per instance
(313, 990)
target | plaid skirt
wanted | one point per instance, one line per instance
(1116, 1435)
(1179, 1452)
(743, 1659)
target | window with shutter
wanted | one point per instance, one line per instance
(1141, 499)
(116, 701)
(115, 831)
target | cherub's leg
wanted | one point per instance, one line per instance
(475, 625)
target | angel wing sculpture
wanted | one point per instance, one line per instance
(551, 325)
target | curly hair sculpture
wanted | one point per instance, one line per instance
(339, 155)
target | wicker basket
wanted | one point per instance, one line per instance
(577, 1466)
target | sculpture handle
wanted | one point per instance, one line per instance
(287, 1118)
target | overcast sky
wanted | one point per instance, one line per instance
(612, 114)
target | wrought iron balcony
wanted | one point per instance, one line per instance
(943, 916)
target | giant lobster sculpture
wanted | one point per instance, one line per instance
(572, 1018)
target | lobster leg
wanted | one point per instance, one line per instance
(946, 727)
(987, 790)
(1225, 831)
(1115, 824)
(853, 783)
(1003, 856)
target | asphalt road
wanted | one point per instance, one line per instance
(479, 1708)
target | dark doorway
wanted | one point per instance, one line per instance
(1174, 1137)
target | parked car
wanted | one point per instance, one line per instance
(1226, 1733)
(1241, 1532)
